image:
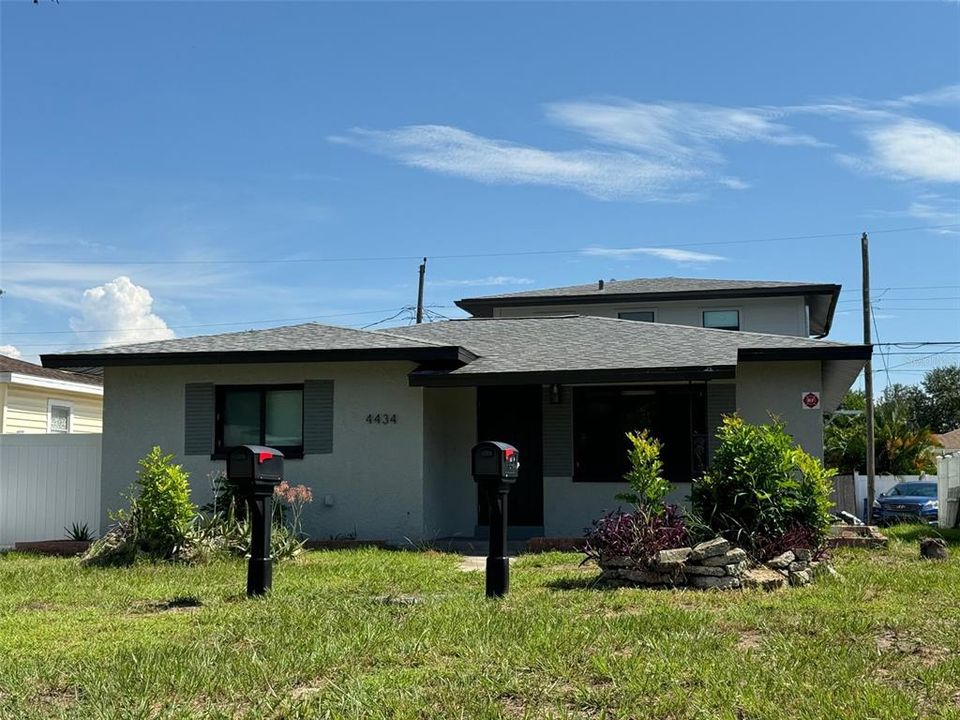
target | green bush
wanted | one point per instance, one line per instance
(648, 487)
(163, 510)
(760, 486)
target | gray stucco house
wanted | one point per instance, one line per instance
(380, 423)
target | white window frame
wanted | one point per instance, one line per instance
(51, 404)
(737, 310)
(652, 310)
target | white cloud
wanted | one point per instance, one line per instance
(916, 149)
(600, 174)
(683, 257)
(678, 130)
(492, 281)
(119, 312)
(10, 351)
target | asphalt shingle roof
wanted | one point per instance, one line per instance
(576, 342)
(308, 336)
(645, 286)
(13, 365)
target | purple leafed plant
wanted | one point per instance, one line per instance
(638, 535)
(797, 536)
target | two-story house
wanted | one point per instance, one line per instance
(380, 423)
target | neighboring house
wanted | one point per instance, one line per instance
(949, 442)
(380, 424)
(35, 399)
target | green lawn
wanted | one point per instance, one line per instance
(882, 641)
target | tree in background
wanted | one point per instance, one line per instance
(903, 426)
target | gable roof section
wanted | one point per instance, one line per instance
(21, 367)
(822, 298)
(293, 343)
(582, 348)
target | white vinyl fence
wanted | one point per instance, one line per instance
(948, 489)
(48, 482)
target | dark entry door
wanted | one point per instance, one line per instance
(514, 415)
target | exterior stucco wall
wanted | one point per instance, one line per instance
(776, 388)
(373, 479)
(780, 316)
(569, 507)
(26, 409)
(449, 432)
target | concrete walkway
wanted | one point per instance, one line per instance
(473, 563)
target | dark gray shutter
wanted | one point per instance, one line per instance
(317, 417)
(721, 400)
(558, 434)
(199, 412)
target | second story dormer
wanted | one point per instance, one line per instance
(783, 308)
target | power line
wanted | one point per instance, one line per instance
(200, 325)
(463, 256)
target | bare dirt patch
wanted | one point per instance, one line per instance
(891, 641)
(750, 640)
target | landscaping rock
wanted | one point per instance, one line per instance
(782, 562)
(763, 579)
(735, 555)
(802, 554)
(671, 559)
(650, 577)
(933, 549)
(710, 548)
(706, 582)
(797, 566)
(800, 578)
(616, 561)
(704, 570)
(736, 569)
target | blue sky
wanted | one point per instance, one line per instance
(616, 140)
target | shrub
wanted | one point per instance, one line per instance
(79, 533)
(638, 535)
(648, 487)
(760, 486)
(163, 508)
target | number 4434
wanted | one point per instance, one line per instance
(382, 419)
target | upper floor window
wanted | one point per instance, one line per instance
(60, 418)
(721, 319)
(270, 415)
(641, 315)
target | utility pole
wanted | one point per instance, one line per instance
(868, 380)
(423, 271)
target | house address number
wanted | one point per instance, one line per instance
(382, 419)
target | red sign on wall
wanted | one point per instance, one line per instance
(810, 400)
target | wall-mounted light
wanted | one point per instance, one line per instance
(556, 394)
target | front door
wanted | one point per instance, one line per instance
(514, 415)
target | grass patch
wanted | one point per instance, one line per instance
(379, 634)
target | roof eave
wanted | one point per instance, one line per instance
(424, 377)
(827, 352)
(446, 353)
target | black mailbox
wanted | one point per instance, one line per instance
(492, 459)
(495, 468)
(255, 462)
(257, 470)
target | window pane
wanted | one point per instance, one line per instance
(241, 417)
(59, 419)
(721, 319)
(641, 315)
(284, 417)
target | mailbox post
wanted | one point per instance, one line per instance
(258, 469)
(495, 468)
